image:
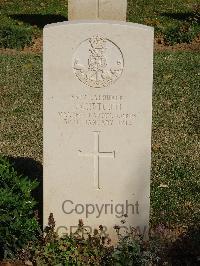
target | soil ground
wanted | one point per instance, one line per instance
(159, 46)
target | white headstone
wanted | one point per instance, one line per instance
(97, 124)
(97, 9)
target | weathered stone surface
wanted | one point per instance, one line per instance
(113, 10)
(82, 9)
(97, 124)
(97, 9)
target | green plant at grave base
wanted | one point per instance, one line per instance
(132, 249)
(129, 252)
(84, 248)
(80, 248)
(18, 224)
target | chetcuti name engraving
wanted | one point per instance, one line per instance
(98, 62)
(98, 110)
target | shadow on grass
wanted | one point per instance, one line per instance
(33, 170)
(187, 16)
(185, 251)
(39, 20)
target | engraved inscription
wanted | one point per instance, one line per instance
(98, 62)
(97, 154)
(98, 110)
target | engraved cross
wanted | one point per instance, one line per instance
(97, 154)
(98, 11)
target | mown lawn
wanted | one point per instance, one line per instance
(34, 13)
(176, 128)
(175, 21)
(163, 13)
(21, 105)
(175, 187)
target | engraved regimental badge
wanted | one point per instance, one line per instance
(98, 62)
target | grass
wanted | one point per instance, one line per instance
(30, 16)
(21, 105)
(166, 16)
(162, 13)
(175, 175)
(176, 139)
(33, 13)
(175, 196)
(174, 21)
